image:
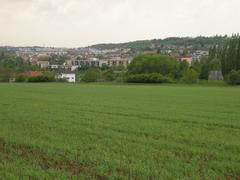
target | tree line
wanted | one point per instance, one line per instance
(11, 64)
(228, 55)
(197, 42)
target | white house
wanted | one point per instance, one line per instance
(55, 66)
(73, 68)
(69, 77)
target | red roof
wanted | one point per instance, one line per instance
(34, 58)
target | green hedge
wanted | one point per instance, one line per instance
(190, 77)
(91, 75)
(20, 78)
(41, 79)
(148, 78)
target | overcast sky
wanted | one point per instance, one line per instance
(76, 23)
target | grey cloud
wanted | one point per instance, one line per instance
(83, 22)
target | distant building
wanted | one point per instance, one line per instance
(98, 63)
(70, 62)
(74, 68)
(43, 64)
(69, 77)
(34, 59)
(55, 66)
(189, 59)
(199, 54)
(117, 61)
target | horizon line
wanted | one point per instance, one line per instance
(123, 42)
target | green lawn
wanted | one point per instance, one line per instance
(91, 131)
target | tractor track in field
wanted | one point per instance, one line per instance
(45, 161)
(164, 119)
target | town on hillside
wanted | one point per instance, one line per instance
(69, 60)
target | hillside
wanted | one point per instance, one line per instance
(197, 42)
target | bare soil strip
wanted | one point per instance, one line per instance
(45, 161)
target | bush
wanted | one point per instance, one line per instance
(6, 74)
(50, 76)
(190, 77)
(20, 78)
(147, 78)
(109, 75)
(148, 64)
(92, 75)
(233, 77)
(40, 79)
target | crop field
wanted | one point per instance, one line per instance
(106, 131)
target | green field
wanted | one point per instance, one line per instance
(93, 131)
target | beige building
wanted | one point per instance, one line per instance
(119, 62)
(94, 62)
(43, 64)
(187, 58)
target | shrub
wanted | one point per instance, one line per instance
(233, 77)
(144, 64)
(109, 75)
(190, 77)
(147, 78)
(20, 78)
(92, 75)
(50, 76)
(61, 80)
(40, 79)
(119, 79)
(6, 74)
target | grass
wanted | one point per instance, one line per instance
(212, 83)
(93, 131)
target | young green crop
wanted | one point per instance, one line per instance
(91, 131)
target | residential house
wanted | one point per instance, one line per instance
(43, 64)
(34, 59)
